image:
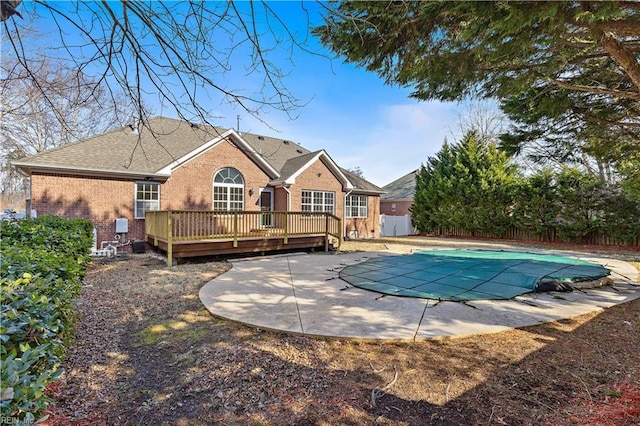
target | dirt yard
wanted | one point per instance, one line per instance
(147, 353)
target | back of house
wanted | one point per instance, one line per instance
(113, 179)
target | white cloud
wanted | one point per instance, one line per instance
(385, 141)
(399, 139)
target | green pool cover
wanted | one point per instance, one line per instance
(460, 275)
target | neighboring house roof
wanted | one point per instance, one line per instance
(164, 144)
(401, 189)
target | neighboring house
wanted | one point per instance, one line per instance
(399, 195)
(175, 165)
(395, 216)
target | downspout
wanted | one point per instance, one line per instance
(27, 208)
(286, 216)
(344, 214)
(288, 197)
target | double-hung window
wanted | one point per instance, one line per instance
(356, 206)
(147, 198)
(318, 201)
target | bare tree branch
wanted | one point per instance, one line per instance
(182, 54)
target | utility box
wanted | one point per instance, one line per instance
(122, 225)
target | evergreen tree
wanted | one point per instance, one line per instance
(468, 185)
(565, 72)
(537, 207)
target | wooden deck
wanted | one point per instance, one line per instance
(183, 234)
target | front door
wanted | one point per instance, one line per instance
(266, 205)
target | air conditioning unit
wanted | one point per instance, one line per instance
(353, 235)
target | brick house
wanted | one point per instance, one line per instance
(171, 164)
(398, 196)
(395, 205)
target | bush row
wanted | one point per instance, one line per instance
(42, 264)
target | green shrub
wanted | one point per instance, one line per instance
(42, 264)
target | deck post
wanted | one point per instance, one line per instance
(169, 240)
(156, 218)
(235, 229)
(286, 227)
(326, 232)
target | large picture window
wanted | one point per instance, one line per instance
(318, 201)
(228, 190)
(147, 198)
(356, 206)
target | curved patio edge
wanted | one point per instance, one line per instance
(302, 293)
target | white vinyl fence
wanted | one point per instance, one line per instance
(395, 226)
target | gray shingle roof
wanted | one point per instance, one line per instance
(275, 151)
(122, 150)
(401, 189)
(294, 164)
(361, 184)
(158, 144)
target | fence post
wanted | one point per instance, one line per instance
(169, 239)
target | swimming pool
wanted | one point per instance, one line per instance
(460, 275)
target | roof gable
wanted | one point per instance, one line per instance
(294, 167)
(235, 138)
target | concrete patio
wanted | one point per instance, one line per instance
(301, 293)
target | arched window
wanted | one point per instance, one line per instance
(228, 190)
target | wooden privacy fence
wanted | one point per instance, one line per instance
(551, 236)
(173, 226)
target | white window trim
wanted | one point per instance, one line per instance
(348, 206)
(136, 215)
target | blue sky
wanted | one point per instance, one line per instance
(361, 122)
(352, 114)
(349, 112)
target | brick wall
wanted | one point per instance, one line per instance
(317, 177)
(280, 200)
(401, 207)
(101, 200)
(320, 178)
(190, 187)
(366, 227)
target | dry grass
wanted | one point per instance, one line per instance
(147, 352)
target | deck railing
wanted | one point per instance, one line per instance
(195, 225)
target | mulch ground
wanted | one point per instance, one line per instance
(146, 352)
